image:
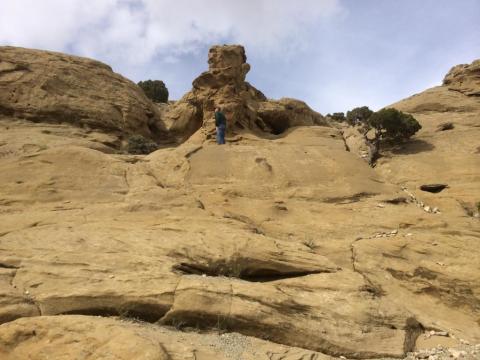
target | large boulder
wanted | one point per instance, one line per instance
(464, 78)
(246, 107)
(279, 115)
(45, 86)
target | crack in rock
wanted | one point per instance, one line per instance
(370, 287)
(237, 270)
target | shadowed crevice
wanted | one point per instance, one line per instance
(433, 188)
(144, 312)
(242, 271)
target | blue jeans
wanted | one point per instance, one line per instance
(221, 134)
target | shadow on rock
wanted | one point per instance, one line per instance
(413, 147)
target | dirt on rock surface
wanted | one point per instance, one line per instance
(273, 246)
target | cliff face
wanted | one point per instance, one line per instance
(270, 247)
(44, 86)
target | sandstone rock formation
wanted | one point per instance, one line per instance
(450, 157)
(464, 78)
(281, 247)
(52, 87)
(224, 85)
(356, 142)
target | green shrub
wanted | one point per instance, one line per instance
(337, 116)
(359, 115)
(155, 90)
(393, 124)
(139, 145)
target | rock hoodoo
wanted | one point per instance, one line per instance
(246, 107)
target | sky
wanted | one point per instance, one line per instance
(333, 54)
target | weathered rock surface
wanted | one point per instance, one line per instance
(79, 337)
(245, 107)
(53, 87)
(464, 78)
(291, 240)
(356, 143)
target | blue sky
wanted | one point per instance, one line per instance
(333, 54)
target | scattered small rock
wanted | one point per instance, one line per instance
(463, 352)
(421, 204)
(379, 235)
(457, 354)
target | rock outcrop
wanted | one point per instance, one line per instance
(464, 78)
(447, 156)
(45, 86)
(224, 85)
(270, 247)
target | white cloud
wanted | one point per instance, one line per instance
(49, 24)
(135, 31)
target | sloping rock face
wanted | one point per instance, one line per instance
(284, 248)
(450, 156)
(247, 108)
(52, 87)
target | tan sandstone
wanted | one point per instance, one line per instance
(44, 86)
(289, 240)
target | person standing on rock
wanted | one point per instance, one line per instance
(221, 125)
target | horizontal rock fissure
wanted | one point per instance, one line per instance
(7, 266)
(267, 275)
(348, 199)
(142, 312)
(433, 188)
(247, 274)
